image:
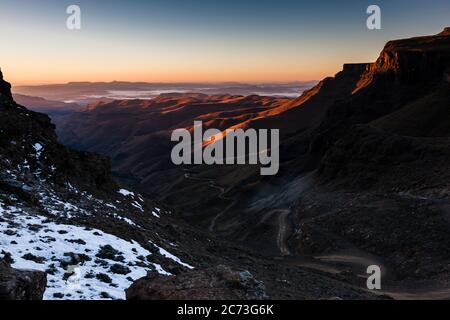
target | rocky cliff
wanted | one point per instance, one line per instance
(421, 60)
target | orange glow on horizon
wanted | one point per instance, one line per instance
(20, 76)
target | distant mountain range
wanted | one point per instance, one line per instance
(86, 92)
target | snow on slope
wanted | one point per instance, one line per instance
(170, 256)
(81, 263)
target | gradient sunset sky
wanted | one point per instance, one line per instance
(201, 40)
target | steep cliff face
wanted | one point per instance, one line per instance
(387, 147)
(421, 60)
(406, 93)
(407, 71)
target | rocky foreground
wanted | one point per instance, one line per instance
(21, 285)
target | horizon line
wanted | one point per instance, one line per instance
(161, 82)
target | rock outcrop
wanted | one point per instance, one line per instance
(21, 284)
(420, 60)
(219, 283)
(5, 88)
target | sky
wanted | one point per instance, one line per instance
(201, 40)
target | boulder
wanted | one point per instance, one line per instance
(21, 284)
(218, 283)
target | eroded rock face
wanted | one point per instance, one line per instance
(21, 284)
(219, 283)
(412, 61)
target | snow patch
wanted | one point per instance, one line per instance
(137, 206)
(156, 215)
(37, 243)
(170, 256)
(38, 148)
(126, 193)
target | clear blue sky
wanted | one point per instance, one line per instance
(201, 40)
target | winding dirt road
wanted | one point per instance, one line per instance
(212, 184)
(283, 232)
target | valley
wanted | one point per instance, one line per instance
(364, 179)
(353, 156)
